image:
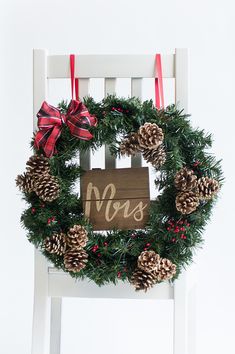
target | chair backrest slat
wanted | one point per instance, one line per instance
(109, 89)
(85, 160)
(136, 91)
(110, 66)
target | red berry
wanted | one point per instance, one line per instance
(196, 163)
(182, 236)
(33, 210)
(182, 229)
(48, 221)
(169, 229)
(99, 254)
(173, 239)
(145, 249)
(105, 244)
(148, 244)
(119, 274)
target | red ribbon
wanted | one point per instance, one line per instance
(51, 120)
(159, 95)
(74, 81)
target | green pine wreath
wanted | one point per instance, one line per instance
(188, 178)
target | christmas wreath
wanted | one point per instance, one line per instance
(188, 178)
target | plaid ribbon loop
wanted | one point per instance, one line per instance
(51, 120)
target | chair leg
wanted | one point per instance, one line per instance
(192, 308)
(180, 315)
(41, 305)
(55, 331)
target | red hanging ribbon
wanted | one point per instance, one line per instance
(51, 120)
(159, 94)
(74, 81)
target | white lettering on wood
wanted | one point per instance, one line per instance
(108, 196)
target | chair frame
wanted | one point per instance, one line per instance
(50, 284)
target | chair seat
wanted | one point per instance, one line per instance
(61, 284)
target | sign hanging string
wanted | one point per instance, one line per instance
(159, 94)
(74, 81)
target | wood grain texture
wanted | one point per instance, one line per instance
(116, 198)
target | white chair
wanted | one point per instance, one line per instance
(52, 285)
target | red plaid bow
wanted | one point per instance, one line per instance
(51, 120)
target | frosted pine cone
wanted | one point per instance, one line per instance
(207, 187)
(47, 188)
(55, 244)
(156, 157)
(77, 237)
(130, 145)
(166, 270)
(185, 180)
(150, 136)
(148, 261)
(142, 280)
(25, 183)
(75, 260)
(187, 202)
(38, 165)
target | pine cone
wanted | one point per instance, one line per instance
(142, 280)
(55, 244)
(148, 261)
(38, 165)
(75, 260)
(130, 145)
(165, 271)
(25, 183)
(156, 157)
(77, 237)
(185, 180)
(187, 202)
(47, 188)
(150, 136)
(207, 188)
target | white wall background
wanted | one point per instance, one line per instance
(108, 26)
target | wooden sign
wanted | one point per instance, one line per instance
(116, 198)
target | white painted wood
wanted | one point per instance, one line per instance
(180, 315)
(40, 85)
(61, 284)
(110, 88)
(50, 282)
(85, 157)
(41, 301)
(110, 66)
(192, 316)
(55, 332)
(181, 78)
(180, 285)
(41, 304)
(136, 91)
